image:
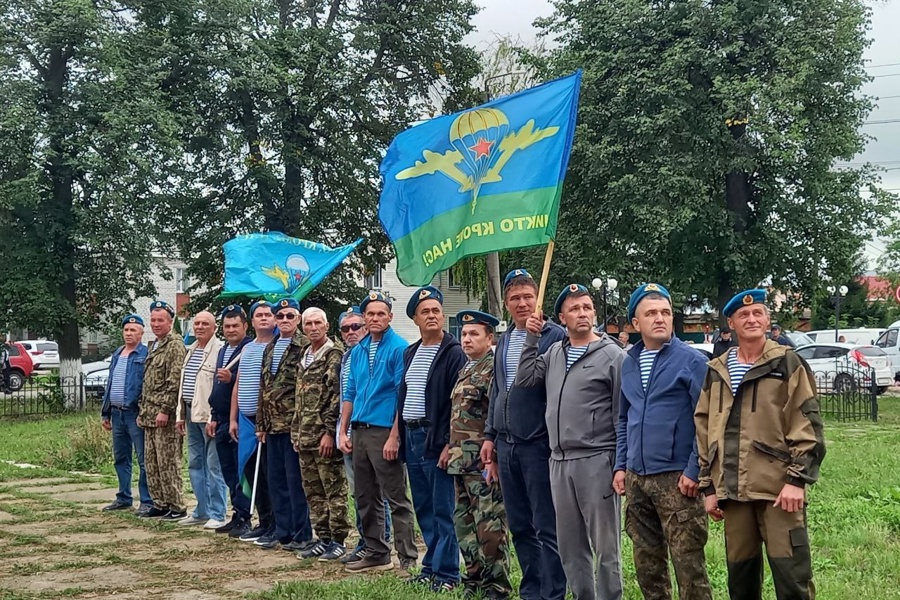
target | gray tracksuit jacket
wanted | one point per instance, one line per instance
(583, 401)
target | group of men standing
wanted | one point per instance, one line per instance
(540, 438)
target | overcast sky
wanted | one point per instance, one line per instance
(515, 17)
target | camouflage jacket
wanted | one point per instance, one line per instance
(468, 413)
(162, 376)
(318, 399)
(277, 392)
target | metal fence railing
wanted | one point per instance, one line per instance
(50, 394)
(848, 393)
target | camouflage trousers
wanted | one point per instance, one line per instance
(162, 461)
(660, 520)
(750, 524)
(326, 493)
(480, 522)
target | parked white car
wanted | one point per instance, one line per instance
(95, 376)
(837, 366)
(44, 353)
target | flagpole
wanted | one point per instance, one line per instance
(545, 273)
(255, 478)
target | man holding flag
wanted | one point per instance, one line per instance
(244, 403)
(234, 329)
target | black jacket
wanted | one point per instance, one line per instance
(220, 397)
(522, 418)
(722, 346)
(441, 379)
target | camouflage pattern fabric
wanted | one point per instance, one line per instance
(277, 393)
(480, 518)
(318, 396)
(162, 377)
(481, 529)
(162, 462)
(468, 413)
(661, 520)
(326, 493)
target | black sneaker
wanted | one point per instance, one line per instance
(154, 513)
(407, 564)
(422, 579)
(117, 505)
(267, 542)
(143, 509)
(443, 587)
(355, 556)
(228, 526)
(335, 551)
(371, 562)
(173, 515)
(254, 534)
(315, 549)
(240, 528)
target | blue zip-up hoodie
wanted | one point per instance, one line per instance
(518, 415)
(656, 428)
(220, 396)
(374, 392)
(134, 379)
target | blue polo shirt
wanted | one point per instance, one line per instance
(373, 390)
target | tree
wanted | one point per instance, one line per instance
(708, 141)
(83, 137)
(286, 110)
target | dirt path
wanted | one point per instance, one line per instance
(55, 542)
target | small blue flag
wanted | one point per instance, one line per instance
(246, 441)
(274, 265)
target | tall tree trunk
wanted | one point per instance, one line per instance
(737, 203)
(61, 177)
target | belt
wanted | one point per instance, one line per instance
(113, 406)
(361, 425)
(417, 423)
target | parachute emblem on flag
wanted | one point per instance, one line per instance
(481, 146)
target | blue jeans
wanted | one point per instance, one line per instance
(128, 437)
(227, 449)
(434, 498)
(525, 481)
(205, 473)
(348, 469)
(286, 490)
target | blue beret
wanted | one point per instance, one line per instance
(287, 303)
(513, 274)
(161, 305)
(352, 310)
(476, 317)
(258, 304)
(745, 298)
(231, 309)
(375, 297)
(429, 292)
(569, 289)
(644, 291)
(132, 319)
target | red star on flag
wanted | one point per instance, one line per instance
(482, 148)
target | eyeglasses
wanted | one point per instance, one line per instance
(285, 316)
(351, 327)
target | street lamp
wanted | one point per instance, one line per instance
(604, 286)
(837, 295)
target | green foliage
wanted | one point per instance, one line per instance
(86, 447)
(707, 141)
(856, 310)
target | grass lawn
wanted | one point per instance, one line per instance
(854, 514)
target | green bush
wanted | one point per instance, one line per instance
(86, 447)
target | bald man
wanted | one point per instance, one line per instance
(192, 415)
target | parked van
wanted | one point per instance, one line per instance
(851, 336)
(889, 341)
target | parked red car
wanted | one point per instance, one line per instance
(20, 365)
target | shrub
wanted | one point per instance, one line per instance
(87, 447)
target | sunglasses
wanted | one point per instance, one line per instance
(351, 327)
(285, 316)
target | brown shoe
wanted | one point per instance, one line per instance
(370, 562)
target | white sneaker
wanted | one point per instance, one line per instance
(189, 520)
(214, 524)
